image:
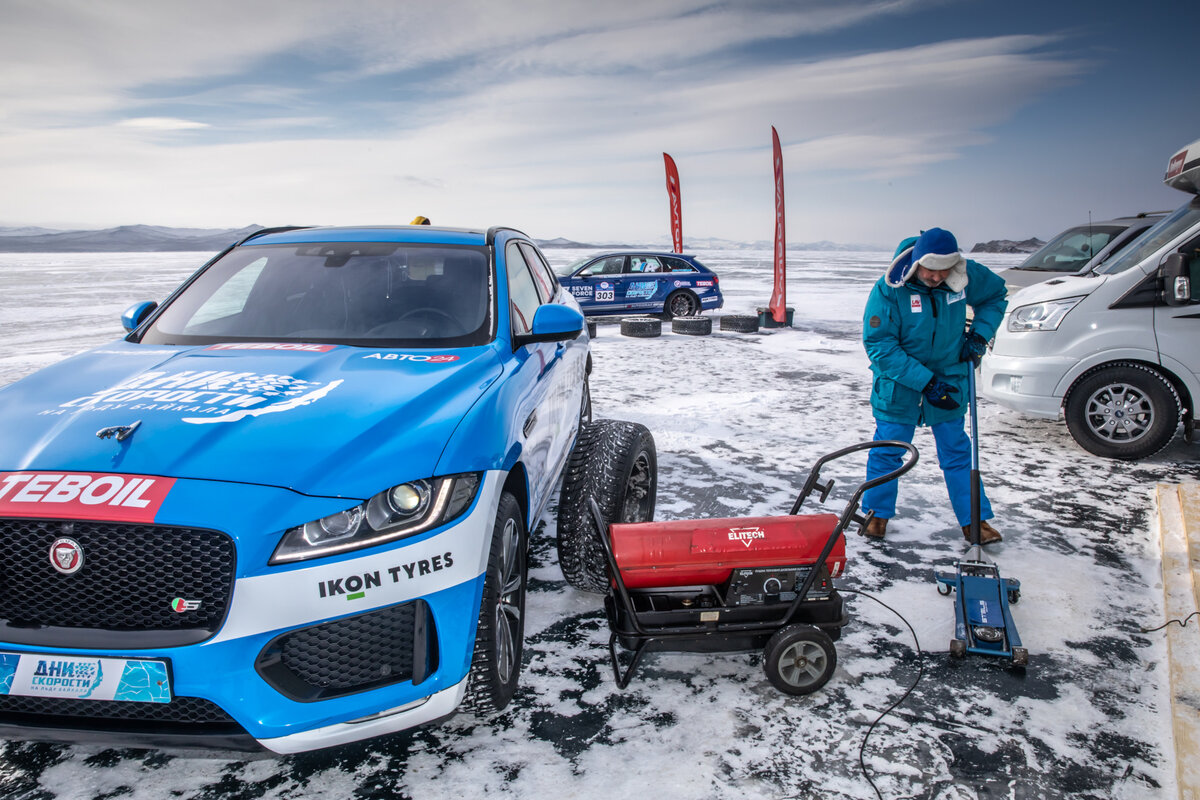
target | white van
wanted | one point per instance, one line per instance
(1116, 350)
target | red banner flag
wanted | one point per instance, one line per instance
(676, 203)
(779, 295)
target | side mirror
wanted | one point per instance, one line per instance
(1177, 279)
(552, 323)
(136, 314)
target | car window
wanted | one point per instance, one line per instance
(644, 264)
(678, 265)
(542, 274)
(230, 298)
(523, 298)
(612, 265)
(369, 294)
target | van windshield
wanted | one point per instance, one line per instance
(1169, 228)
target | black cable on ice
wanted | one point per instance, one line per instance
(1182, 624)
(862, 765)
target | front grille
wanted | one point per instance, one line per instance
(185, 712)
(123, 593)
(351, 655)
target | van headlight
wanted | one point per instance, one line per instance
(405, 509)
(1041, 316)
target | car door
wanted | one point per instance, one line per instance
(1177, 328)
(600, 279)
(536, 366)
(642, 285)
(565, 397)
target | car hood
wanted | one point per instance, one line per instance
(319, 419)
(1056, 288)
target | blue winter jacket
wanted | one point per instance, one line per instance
(914, 333)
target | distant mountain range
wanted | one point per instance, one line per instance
(1008, 246)
(154, 238)
(125, 239)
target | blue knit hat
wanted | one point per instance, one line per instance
(936, 249)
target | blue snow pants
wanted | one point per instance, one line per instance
(954, 457)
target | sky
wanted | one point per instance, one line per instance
(994, 120)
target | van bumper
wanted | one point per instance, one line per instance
(1026, 384)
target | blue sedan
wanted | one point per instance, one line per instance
(670, 284)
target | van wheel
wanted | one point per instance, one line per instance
(1126, 410)
(499, 639)
(616, 464)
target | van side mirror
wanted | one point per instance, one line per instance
(136, 314)
(1177, 279)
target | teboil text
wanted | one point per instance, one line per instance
(355, 586)
(83, 495)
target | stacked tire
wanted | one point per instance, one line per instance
(692, 326)
(641, 327)
(740, 323)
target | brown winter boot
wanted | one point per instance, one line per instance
(987, 534)
(875, 528)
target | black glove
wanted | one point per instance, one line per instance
(937, 394)
(973, 348)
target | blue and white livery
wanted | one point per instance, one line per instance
(291, 507)
(644, 282)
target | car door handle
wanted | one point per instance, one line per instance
(529, 423)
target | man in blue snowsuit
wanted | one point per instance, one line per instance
(915, 333)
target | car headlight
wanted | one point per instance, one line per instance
(1041, 316)
(403, 510)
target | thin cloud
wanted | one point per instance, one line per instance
(162, 124)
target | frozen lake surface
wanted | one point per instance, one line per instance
(738, 419)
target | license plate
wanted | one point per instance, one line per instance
(84, 677)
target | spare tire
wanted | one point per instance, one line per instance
(614, 463)
(641, 327)
(741, 323)
(692, 326)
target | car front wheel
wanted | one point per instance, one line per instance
(614, 463)
(499, 641)
(1127, 411)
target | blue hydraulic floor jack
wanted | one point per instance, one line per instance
(983, 622)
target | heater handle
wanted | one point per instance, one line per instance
(814, 475)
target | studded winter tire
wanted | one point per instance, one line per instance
(1127, 411)
(641, 327)
(499, 640)
(692, 326)
(616, 464)
(739, 323)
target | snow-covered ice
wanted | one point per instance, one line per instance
(738, 420)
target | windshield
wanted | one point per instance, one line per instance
(1173, 225)
(1072, 248)
(565, 272)
(378, 295)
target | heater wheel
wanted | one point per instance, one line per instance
(799, 659)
